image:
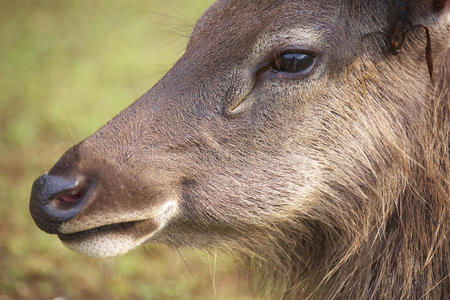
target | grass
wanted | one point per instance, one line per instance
(66, 68)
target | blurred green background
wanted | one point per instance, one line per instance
(66, 67)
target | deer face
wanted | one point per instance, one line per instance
(274, 109)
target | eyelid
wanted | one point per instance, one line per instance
(268, 60)
(263, 69)
(306, 50)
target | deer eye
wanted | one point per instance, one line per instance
(293, 62)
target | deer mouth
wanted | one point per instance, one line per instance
(117, 227)
(110, 240)
(115, 238)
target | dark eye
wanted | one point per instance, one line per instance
(293, 62)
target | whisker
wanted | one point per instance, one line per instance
(185, 262)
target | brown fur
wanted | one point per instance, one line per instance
(334, 186)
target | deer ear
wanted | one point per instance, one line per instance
(440, 6)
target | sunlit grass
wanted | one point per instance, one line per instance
(66, 68)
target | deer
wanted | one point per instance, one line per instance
(291, 133)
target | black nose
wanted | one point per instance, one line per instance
(55, 199)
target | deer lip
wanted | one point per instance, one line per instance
(116, 227)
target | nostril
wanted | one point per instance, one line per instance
(69, 199)
(67, 202)
(55, 199)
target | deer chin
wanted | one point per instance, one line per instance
(114, 239)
